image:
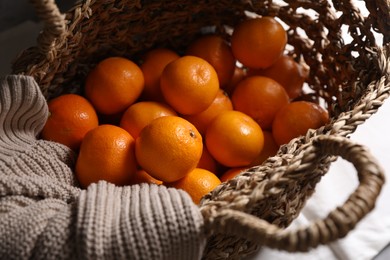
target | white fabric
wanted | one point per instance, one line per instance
(372, 234)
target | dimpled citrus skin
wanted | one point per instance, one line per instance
(296, 119)
(106, 153)
(140, 114)
(260, 98)
(169, 148)
(288, 73)
(220, 104)
(197, 183)
(152, 67)
(216, 51)
(189, 85)
(234, 139)
(70, 118)
(259, 42)
(113, 85)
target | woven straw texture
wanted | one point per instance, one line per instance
(351, 77)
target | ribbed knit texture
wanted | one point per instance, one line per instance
(45, 215)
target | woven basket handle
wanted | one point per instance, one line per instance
(53, 22)
(338, 222)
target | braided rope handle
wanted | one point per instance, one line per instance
(53, 21)
(338, 222)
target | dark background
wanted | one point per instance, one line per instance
(14, 12)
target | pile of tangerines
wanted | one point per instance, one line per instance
(187, 121)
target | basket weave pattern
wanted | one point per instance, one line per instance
(352, 79)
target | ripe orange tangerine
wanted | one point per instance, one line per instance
(258, 42)
(234, 139)
(296, 119)
(216, 51)
(197, 183)
(70, 118)
(140, 114)
(106, 153)
(260, 98)
(113, 85)
(169, 148)
(220, 104)
(288, 73)
(189, 84)
(152, 67)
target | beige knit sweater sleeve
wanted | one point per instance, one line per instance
(45, 215)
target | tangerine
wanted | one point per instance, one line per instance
(106, 153)
(234, 139)
(260, 98)
(189, 84)
(113, 85)
(220, 104)
(216, 51)
(197, 183)
(140, 114)
(288, 73)
(258, 42)
(169, 148)
(71, 116)
(296, 118)
(152, 67)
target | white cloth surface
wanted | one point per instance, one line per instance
(370, 236)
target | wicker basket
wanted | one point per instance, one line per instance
(351, 78)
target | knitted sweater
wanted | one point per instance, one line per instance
(45, 215)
